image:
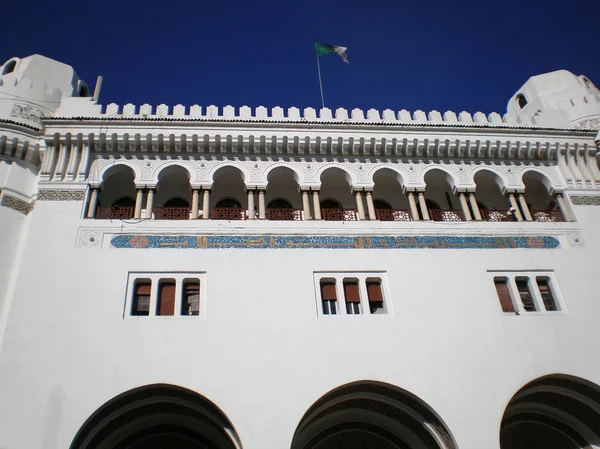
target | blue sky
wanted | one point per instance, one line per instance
(442, 55)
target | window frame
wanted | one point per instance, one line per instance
(340, 278)
(531, 277)
(155, 279)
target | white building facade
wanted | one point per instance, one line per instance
(253, 278)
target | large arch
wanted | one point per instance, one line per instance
(117, 193)
(157, 416)
(371, 414)
(553, 412)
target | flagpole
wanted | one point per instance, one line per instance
(320, 81)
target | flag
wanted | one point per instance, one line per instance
(323, 49)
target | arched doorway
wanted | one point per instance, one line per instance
(537, 195)
(157, 416)
(228, 199)
(438, 190)
(283, 195)
(337, 201)
(390, 203)
(553, 412)
(117, 194)
(371, 415)
(173, 194)
(493, 205)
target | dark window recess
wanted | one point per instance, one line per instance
(547, 296)
(328, 297)
(525, 294)
(166, 298)
(352, 296)
(190, 302)
(504, 294)
(141, 298)
(375, 296)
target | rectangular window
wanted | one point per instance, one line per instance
(141, 297)
(525, 294)
(352, 296)
(375, 295)
(504, 294)
(166, 298)
(190, 299)
(328, 297)
(546, 293)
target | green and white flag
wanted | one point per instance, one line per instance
(323, 49)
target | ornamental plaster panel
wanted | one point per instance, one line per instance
(591, 123)
(16, 204)
(27, 112)
(89, 238)
(61, 195)
(585, 200)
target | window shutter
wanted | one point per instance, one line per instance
(142, 288)
(351, 291)
(504, 295)
(192, 288)
(374, 291)
(166, 298)
(328, 291)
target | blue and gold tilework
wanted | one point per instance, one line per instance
(330, 242)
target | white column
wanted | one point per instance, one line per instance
(73, 162)
(49, 156)
(91, 213)
(413, 206)
(149, 202)
(206, 204)
(306, 205)
(513, 203)
(524, 207)
(195, 203)
(563, 207)
(316, 205)
(359, 205)
(370, 206)
(178, 294)
(262, 209)
(423, 206)
(138, 203)
(85, 157)
(475, 207)
(251, 212)
(60, 166)
(465, 206)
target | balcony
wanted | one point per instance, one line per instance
(338, 214)
(284, 214)
(114, 213)
(172, 213)
(229, 213)
(497, 215)
(548, 216)
(393, 214)
(446, 215)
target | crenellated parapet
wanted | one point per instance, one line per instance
(78, 108)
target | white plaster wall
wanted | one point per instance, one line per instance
(263, 357)
(11, 227)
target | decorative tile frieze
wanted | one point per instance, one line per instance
(330, 242)
(585, 200)
(15, 203)
(61, 195)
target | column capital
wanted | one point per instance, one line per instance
(557, 191)
(304, 188)
(357, 189)
(94, 185)
(315, 188)
(140, 186)
(152, 186)
(206, 187)
(368, 189)
(193, 186)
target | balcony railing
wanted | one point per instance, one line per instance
(172, 213)
(497, 215)
(228, 213)
(392, 214)
(446, 215)
(547, 215)
(275, 213)
(114, 212)
(338, 214)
